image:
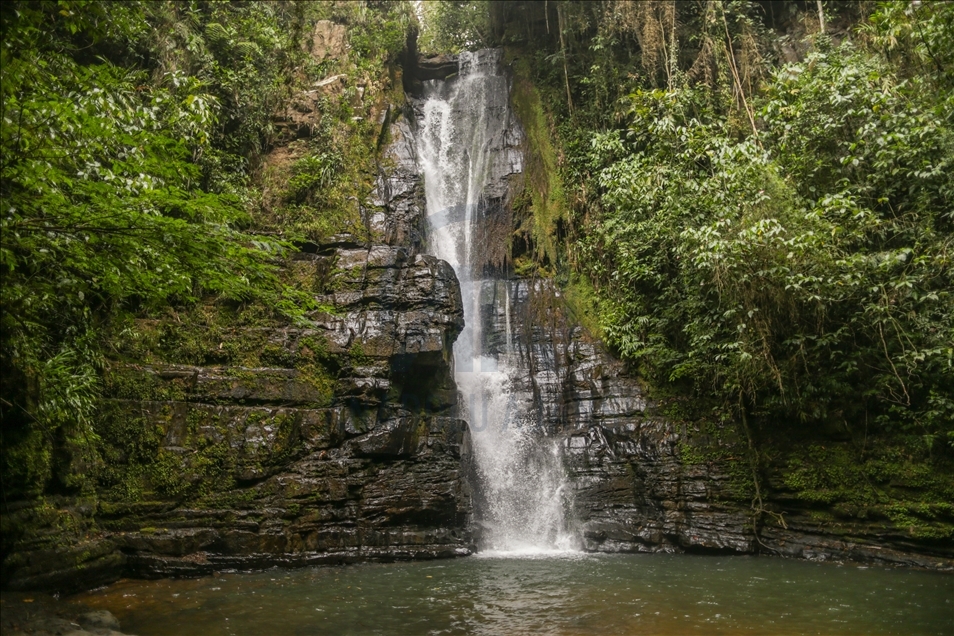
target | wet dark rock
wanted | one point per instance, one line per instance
(634, 486)
(436, 67)
(38, 614)
(97, 620)
(48, 560)
(397, 210)
(419, 69)
(394, 303)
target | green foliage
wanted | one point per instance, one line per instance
(892, 482)
(918, 37)
(378, 29)
(27, 461)
(769, 240)
(546, 207)
(357, 355)
(314, 196)
(311, 187)
(822, 244)
(130, 132)
(696, 303)
(317, 366)
(102, 209)
(136, 467)
(582, 301)
(451, 26)
(844, 125)
(312, 175)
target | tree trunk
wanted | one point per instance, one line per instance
(566, 74)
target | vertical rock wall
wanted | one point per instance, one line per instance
(640, 483)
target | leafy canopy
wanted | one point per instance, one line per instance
(793, 271)
(123, 181)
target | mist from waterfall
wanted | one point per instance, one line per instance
(461, 142)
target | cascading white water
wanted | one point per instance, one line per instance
(461, 134)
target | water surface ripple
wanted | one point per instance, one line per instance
(569, 593)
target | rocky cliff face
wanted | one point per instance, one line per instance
(369, 472)
(641, 483)
(340, 443)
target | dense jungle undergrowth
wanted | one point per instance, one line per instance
(141, 219)
(753, 203)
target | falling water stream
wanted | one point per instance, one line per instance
(464, 143)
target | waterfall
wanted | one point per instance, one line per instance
(466, 150)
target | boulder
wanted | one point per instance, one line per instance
(328, 40)
(99, 620)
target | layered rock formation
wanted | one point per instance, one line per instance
(367, 471)
(639, 482)
(340, 444)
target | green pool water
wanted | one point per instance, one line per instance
(557, 593)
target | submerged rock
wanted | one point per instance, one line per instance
(42, 615)
(99, 620)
